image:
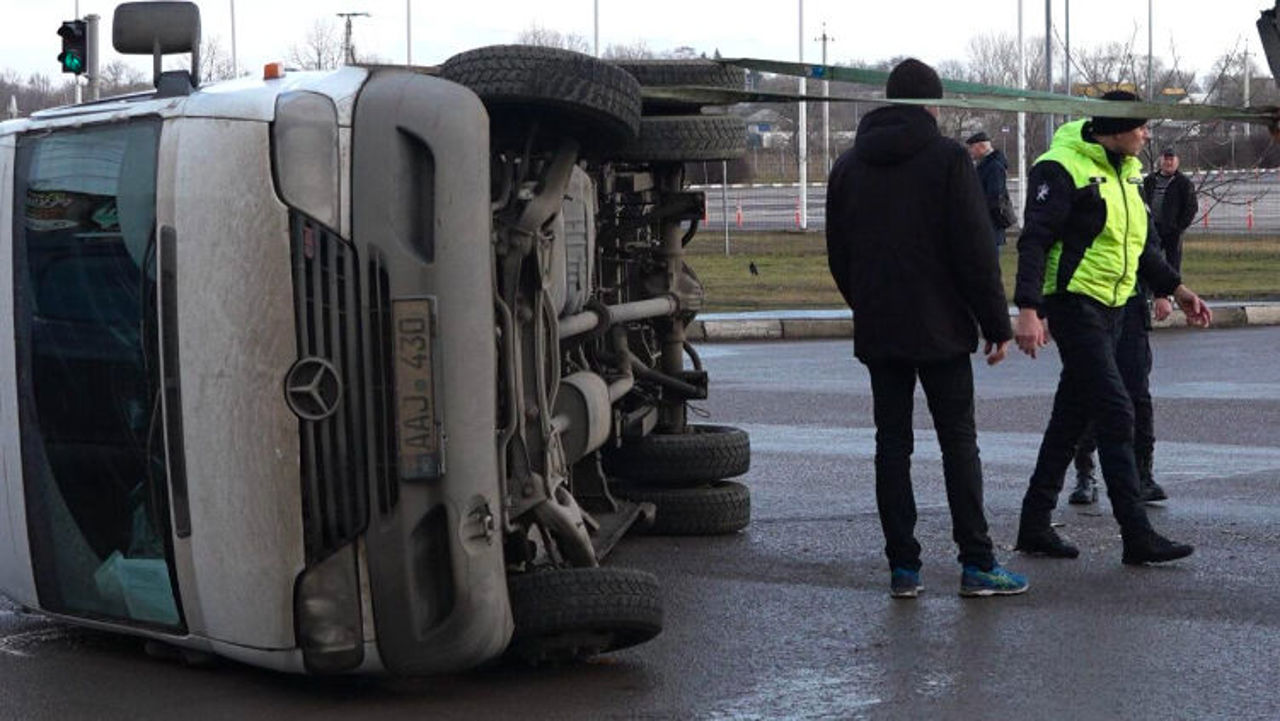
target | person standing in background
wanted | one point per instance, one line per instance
(993, 170)
(1172, 198)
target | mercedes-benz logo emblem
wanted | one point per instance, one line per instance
(313, 389)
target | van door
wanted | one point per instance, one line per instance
(88, 372)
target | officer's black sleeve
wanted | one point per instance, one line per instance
(974, 258)
(1153, 269)
(1049, 190)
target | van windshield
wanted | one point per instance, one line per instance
(89, 397)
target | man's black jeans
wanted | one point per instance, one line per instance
(1090, 388)
(948, 388)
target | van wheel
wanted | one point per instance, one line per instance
(701, 454)
(588, 99)
(687, 138)
(569, 614)
(717, 509)
(667, 73)
(176, 654)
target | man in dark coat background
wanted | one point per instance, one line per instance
(909, 246)
(1172, 199)
(993, 171)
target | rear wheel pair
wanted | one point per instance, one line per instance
(683, 476)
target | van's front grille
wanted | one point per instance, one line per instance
(326, 287)
(382, 411)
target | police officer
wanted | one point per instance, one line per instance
(1083, 245)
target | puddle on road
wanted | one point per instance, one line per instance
(1198, 459)
(806, 692)
(24, 643)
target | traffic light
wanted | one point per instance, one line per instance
(75, 50)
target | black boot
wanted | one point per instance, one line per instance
(1086, 491)
(1150, 547)
(1148, 490)
(1044, 542)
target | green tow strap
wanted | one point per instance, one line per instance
(974, 96)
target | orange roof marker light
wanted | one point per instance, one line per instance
(273, 71)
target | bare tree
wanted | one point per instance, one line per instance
(321, 49)
(684, 52)
(546, 37)
(118, 77)
(637, 50)
(215, 63)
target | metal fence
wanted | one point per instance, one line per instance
(1231, 202)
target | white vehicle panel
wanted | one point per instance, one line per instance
(233, 272)
(255, 99)
(16, 579)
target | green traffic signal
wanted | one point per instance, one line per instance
(71, 63)
(74, 46)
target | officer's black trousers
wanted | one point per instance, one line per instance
(1133, 358)
(1091, 388)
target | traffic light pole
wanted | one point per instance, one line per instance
(76, 78)
(91, 50)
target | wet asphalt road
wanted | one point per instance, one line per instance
(792, 617)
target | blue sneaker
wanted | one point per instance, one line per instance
(999, 581)
(905, 583)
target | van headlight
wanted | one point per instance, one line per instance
(326, 604)
(304, 155)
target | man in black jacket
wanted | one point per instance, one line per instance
(1173, 203)
(909, 245)
(993, 174)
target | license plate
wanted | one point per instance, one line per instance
(417, 429)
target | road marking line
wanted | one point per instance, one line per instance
(1006, 448)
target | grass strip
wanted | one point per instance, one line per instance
(792, 269)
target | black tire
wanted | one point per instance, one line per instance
(702, 454)
(569, 614)
(719, 509)
(591, 100)
(687, 138)
(667, 73)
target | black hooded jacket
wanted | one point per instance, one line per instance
(909, 242)
(993, 171)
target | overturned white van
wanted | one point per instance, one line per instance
(356, 371)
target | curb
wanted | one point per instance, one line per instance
(760, 327)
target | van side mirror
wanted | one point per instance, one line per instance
(158, 29)
(1269, 31)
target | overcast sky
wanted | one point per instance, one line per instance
(932, 30)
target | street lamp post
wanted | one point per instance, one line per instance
(826, 106)
(804, 137)
(235, 63)
(1022, 116)
(348, 49)
(1048, 67)
(1066, 62)
(1150, 86)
